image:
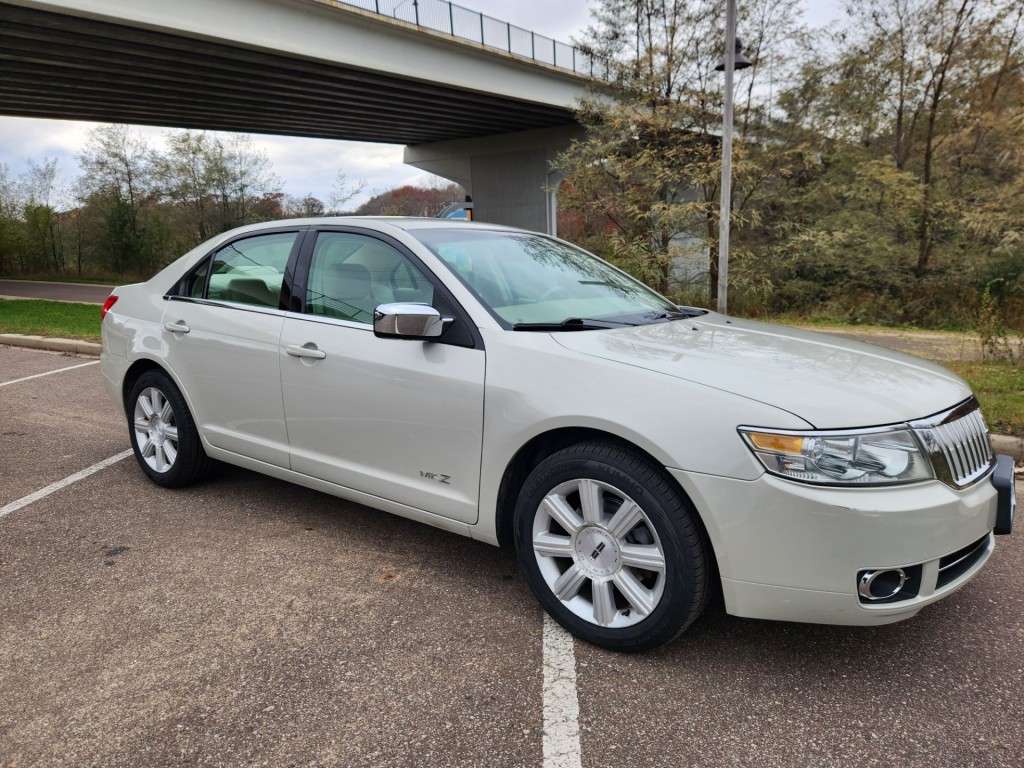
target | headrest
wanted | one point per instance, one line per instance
(348, 281)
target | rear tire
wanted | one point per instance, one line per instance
(163, 433)
(610, 549)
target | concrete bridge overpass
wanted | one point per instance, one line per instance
(489, 120)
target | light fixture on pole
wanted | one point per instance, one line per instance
(739, 61)
(733, 60)
(415, 9)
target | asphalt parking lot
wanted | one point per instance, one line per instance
(250, 622)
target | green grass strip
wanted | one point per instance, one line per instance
(60, 319)
(999, 385)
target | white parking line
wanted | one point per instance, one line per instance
(48, 373)
(561, 704)
(42, 493)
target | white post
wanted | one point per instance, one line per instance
(553, 180)
(725, 207)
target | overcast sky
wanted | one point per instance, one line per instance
(308, 166)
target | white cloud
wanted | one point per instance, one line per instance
(305, 166)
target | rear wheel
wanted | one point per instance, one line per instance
(610, 549)
(163, 433)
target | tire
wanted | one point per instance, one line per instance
(610, 549)
(163, 433)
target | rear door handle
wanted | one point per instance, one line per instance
(178, 327)
(296, 351)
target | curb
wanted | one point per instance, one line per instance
(70, 346)
(62, 301)
(1012, 446)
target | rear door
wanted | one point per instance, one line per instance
(221, 327)
(394, 418)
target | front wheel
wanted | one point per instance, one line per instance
(163, 433)
(610, 549)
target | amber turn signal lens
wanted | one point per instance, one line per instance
(782, 443)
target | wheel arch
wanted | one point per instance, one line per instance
(543, 445)
(135, 370)
(141, 366)
(192, 463)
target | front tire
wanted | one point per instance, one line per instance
(163, 433)
(610, 549)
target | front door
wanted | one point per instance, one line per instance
(394, 418)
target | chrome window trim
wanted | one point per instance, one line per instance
(228, 305)
(332, 321)
(271, 311)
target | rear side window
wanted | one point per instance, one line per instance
(248, 271)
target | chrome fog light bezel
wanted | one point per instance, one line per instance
(867, 581)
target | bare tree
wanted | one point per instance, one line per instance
(217, 181)
(118, 176)
(40, 191)
(343, 192)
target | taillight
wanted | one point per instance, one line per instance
(107, 305)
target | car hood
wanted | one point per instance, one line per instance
(829, 382)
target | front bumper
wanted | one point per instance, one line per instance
(793, 552)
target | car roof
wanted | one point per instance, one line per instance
(383, 223)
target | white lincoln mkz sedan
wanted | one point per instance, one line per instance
(508, 386)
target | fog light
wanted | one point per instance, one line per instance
(881, 585)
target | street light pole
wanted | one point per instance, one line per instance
(725, 206)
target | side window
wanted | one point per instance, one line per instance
(248, 271)
(352, 274)
(196, 284)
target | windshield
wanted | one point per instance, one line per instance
(527, 279)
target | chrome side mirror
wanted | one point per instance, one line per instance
(408, 321)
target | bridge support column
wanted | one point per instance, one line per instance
(508, 175)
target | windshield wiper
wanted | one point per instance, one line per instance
(677, 314)
(571, 324)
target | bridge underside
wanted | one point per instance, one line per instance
(54, 65)
(298, 68)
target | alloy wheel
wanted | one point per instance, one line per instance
(599, 553)
(155, 429)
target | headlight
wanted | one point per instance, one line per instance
(847, 457)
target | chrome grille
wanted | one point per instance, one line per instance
(957, 442)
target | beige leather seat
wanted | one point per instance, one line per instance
(350, 294)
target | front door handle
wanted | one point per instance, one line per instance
(296, 351)
(178, 327)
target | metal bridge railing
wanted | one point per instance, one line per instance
(450, 19)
